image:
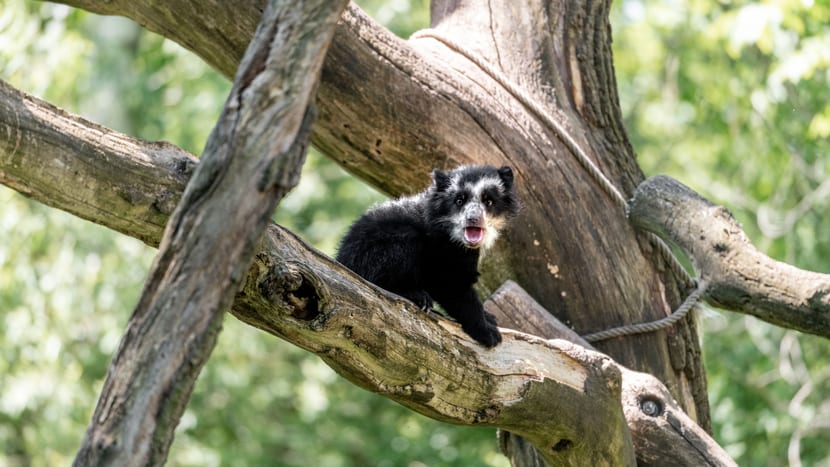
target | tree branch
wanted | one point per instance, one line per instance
(428, 364)
(367, 71)
(378, 341)
(157, 172)
(382, 342)
(391, 110)
(661, 431)
(738, 276)
(253, 157)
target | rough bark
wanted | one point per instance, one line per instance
(382, 342)
(738, 276)
(97, 191)
(661, 432)
(376, 340)
(572, 248)
(541, 389)
(252, 158)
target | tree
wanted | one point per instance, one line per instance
(573, 79)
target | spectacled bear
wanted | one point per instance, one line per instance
(427, 246)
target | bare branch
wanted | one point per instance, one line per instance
(739, 277)
(253, 157)
(367, 71)
(390, 110)
(157, 172)
(662, 433)
(385, 345)
(540, 389)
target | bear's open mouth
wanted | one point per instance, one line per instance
(473, 235)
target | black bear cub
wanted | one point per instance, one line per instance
(426, 247)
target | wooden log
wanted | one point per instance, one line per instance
(662, 433)
(391, 110)
(253, 157)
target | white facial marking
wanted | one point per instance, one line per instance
(479, 186)
(491, 225)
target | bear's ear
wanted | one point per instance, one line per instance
(506, 175)
(441, 180)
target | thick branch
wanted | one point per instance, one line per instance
(738, 276)
(381, 342)
(391, 110)
(262, 137)
(296, 293)
(662, 433)
(540, 389)
(158, 170)
(368, 71)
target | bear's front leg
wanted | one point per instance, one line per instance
(466, 308)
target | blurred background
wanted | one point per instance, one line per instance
(729, 97)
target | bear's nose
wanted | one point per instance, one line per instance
(474, 216)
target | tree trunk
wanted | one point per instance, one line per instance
(429, 106)
(380, 343)
(572, 248)
(252, 159)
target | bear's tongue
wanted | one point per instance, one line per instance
(473, 235)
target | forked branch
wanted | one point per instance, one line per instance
(738, 276)
(540, 389)
(662, 433)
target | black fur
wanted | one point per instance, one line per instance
(426, 247)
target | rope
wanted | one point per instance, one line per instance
(586, 163)
(651, 326)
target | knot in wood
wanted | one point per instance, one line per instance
(287, 287)
(651, 407)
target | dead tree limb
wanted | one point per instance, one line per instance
(296, 293)
(738, 276)
(662, 433)
(390, 110)
(253, 157)
(540, 389)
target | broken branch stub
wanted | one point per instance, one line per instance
(738, 276)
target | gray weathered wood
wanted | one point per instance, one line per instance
(253, 157)
(376, 340)
(541, 389)
(665, 436)
(390, 110)
(738, 276)
(126, 184)
(291, 287)
(296, 293)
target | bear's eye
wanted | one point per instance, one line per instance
(459, 200)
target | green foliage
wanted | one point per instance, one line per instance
(729, 97)
(402, 17)
(732, 98)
